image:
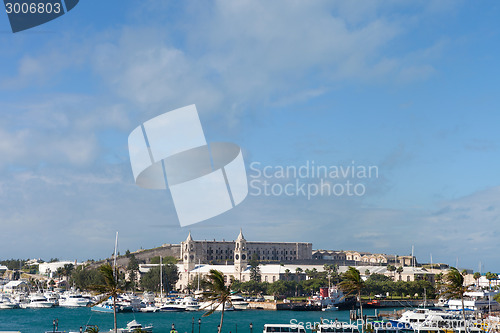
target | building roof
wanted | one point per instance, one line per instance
(13, 284)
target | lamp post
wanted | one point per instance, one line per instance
(53, 325)
(251, 327)
(192, 326)
(199, 325)
(173, 328)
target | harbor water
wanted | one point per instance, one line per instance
(70, 319)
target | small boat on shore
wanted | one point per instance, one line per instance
(7, 303)
(134, 326)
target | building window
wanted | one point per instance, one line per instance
(265, 278)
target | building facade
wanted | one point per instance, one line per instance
(241, 250)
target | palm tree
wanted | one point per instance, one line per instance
(109, 288)
(400, 270)
(477, 276)
(454, 287)
(491, 276)
(218, 294)
(391, 269)
(67, 270)
(298, 270)
(353, 283)
(287, 274)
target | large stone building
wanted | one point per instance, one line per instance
(231, 257)
(240, 251)
(362, 258)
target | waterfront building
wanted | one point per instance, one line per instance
(222, 252)
(50, 268)
(353, 258)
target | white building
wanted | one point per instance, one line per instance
(15, 286)
(50, 268)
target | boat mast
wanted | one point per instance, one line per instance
(114, 262)
(199, 265)
(161, 280)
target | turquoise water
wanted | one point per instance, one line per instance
(40, 320)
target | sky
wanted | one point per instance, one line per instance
(409, 88)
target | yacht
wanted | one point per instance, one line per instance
(52, 296)
(209, 306)
(134, 326)
(189, 303)
(149, 307)
(171, 306)
(332, 297)
(425, 319)
(476, 301)
(73, 300)
(106, 307)
(36, 301)
(7, 303)
(239, 302)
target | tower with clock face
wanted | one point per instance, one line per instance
(240, 254)
(188, 254)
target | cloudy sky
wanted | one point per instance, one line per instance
(408, 87)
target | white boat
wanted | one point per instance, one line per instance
(429, 318)
(52, 296)
(189, 303)
(332, 297)
(134, 326)
(149, 307)
(7, 303)
(129, 302)
(36, 301)
(239, 302)
(171, 306)
(476, 301)
(330, 308)
(276, 328)
(106, 307)
(209, 306)
(73, 300)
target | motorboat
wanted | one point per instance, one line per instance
(189, 303)
(209, 306)
(73, 300)
(129, 302)
(332, 296)
(107, 307)
(36, 301)
(239, 302)
(134, 326)
(149, 307)
(424, 319)
(329, 308)
(52, 296)
(171, 306)
(476, 301)
(7, 303)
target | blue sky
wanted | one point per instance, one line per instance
(409, 87)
